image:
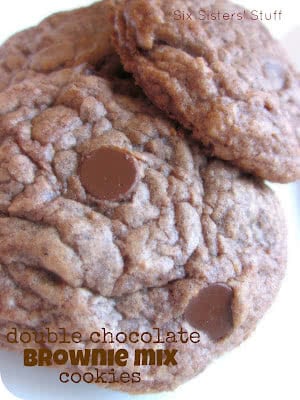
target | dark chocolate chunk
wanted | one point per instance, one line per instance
(210, 311)
(109, 173)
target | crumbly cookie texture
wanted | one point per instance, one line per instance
(227, 81)
(62, 40)
(184, 225)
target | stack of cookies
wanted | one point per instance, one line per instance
(133, 152)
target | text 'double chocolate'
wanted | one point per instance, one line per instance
(210, 311)
(109, 173)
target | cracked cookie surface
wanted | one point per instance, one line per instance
(65, 39)
(227, 81)
(135, 262)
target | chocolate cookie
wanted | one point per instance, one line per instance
(227, 80)
(62, 40)
(111, 218)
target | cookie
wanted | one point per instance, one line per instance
(228, 81)
(62, 40)
(112, 218)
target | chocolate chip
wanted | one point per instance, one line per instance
(109, 173)
(210, 311)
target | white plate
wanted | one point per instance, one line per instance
(263, 367)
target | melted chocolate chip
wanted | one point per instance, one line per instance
(109, 173)
(210, 311)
